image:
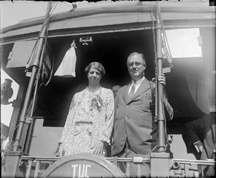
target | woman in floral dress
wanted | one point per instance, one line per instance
(89, 122)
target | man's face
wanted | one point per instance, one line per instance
(136, 67)
(94, 76)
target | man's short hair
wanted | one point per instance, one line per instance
(136, 53)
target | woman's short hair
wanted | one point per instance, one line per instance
(96, 65)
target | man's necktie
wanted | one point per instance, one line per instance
(131, 93)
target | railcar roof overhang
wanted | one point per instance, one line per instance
(131, 16)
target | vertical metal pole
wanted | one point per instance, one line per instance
(32, 78)
(31, 125)
(160, 116)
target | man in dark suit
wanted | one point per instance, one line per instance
(200, 139)
(135, 131)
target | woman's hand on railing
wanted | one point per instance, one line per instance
(98, 148)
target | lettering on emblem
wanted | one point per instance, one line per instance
(80, 170)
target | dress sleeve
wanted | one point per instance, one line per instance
(107, 126)
(68, 128)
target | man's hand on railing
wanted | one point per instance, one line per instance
(161, 79)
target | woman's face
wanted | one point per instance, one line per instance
(94, 76)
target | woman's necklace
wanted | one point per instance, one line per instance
(95, 101)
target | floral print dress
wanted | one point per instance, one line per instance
(90, 118)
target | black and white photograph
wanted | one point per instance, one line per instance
(111, 89)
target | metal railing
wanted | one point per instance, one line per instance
(127, 163)
(35, 166)
(189, 168)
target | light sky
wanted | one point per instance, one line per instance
(13, 12)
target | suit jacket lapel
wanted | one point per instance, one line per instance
(142, 88)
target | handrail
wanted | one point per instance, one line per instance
(198, 162)
(209, 161)
(178, 167)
